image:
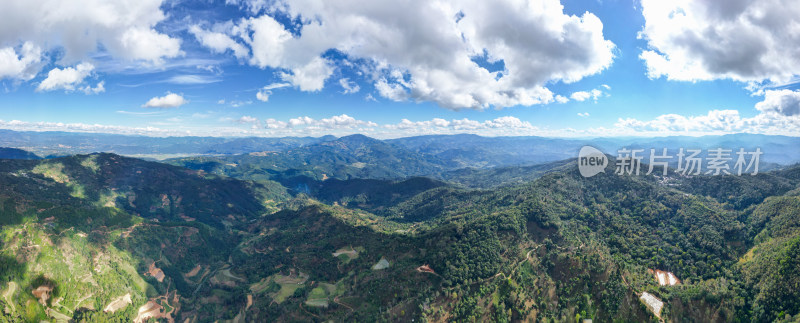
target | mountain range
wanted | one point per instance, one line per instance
(456, 151)
(306, 235)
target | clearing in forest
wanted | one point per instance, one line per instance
(288, 285)
(118, 303)
(347, 254)
(382, 264)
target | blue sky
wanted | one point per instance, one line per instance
(272, 68)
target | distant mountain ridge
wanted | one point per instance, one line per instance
(67, 143)
(14, 153)
(454, 151)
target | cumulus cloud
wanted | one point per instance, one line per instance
(781, 102)
(275, 124)
(266, 38)
(507, 125)
(23, 65)
(771, 120)
(67, 78)
(99, 88)
(263, 95)
(583, 114)
(433, 45)
(300, 121)
(344, 124)
(170, 100)
(343, 121)
(125, 28)
(247, 119)
(715, 120)
(334, 122)
(580, 96)
(593, 94)
(310, 77)
(252, 121)
(749, 41)
(219, 42)
(348, 86)
(391, 91)
(561, 99)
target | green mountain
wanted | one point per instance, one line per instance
(107, 238)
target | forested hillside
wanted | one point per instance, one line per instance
(107, 238)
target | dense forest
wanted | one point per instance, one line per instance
(107, 238)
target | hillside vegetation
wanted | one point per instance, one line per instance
(107, 238)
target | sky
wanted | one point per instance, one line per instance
(570, 68)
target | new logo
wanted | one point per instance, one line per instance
(591, 161)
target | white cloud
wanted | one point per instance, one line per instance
(253, 6)
(580, 96)
(192, 79)
(210, 68)
(264, 93)
(749, 41)
(247, 119)
(348, 86)
(148, 44)
(92, 128)
(593, 94)
(23, 66)
(781, 102)
(715, 122)
(561, 99)
(170, 100)
(310, 77)
(66, 79)
(583, 114)
(252, 121)
(342, 121)
(391, 91)
(267, 40)
(219, 42)
(507, 125)
(299, 121)
(345, 124)
(535, 40)
(99, 88)
(239, 103)
(276, 86)
(275, 124)
(124, 28)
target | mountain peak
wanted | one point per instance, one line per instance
(358, 138)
